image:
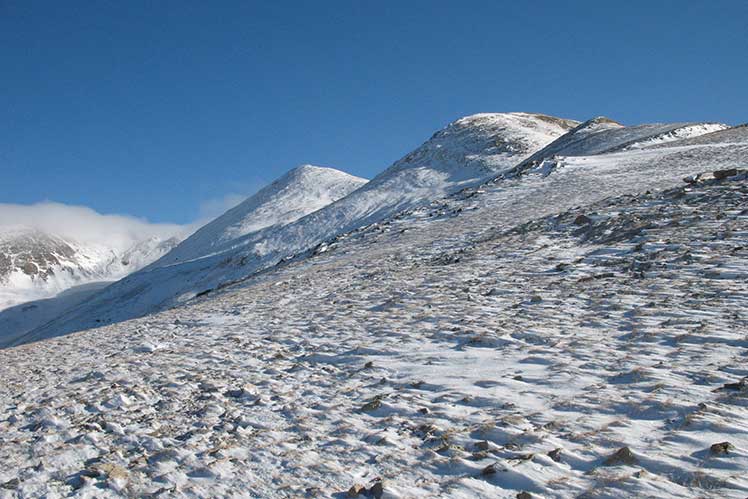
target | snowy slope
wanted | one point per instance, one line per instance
(299, 192)
(578, 334)
(465, 153)
(18, 320)
(35, 264)
(602, 135)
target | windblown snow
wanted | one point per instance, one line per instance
(465, 153)
(299, 192)
(549, 315)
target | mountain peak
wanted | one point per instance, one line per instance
(298, 192)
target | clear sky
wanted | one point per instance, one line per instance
(156, 108)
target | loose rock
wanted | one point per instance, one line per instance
(721, 448)
(722, 174)
(621, 456)
(356, 490)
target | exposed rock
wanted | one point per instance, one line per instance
(582, 220)
(377, 490)
(524, 495)
(482, 445)
(621, 456)
(555, 454)
(356, 490)
(722, 174)
(740, 385)
(491, 469)
(721, 448)
(29, 268)
(11, 484)
(373, 404)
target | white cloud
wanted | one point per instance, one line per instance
(84, 224)
(119, 232)
(214, 207)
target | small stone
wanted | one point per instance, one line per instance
(377, 490)
(369, 365)
(721, 448)
(424, 410)
(491, 469)
(555, 454)
(372, 405)
(722, 174)
(536, 299)
(235, 393)
(480, 446)
(740, 385)
(356, 490)
(11, 484)
(621, 456)
(524, 495)
(582, 220)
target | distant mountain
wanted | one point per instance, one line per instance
(36, 264)
(299, 192)
(465, 153)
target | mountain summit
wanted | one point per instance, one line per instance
(465, 153)
(303, 190)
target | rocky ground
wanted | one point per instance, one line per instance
(592, 345)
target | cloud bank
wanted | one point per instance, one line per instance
(85, 225)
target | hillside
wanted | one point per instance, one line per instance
(602, 135)
(576, 332)
(463, 154)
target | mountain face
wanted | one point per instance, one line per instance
(36, 264)
(603, 135)
(575, 332)
(465, 153)
(301, 191)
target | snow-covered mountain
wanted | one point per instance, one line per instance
(463, 154)
(299, 192)
(571, 331)
(603, 135)
(35, 264)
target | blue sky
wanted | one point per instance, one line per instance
(156, 109)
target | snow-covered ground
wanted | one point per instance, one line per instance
(574, 331)
(463, 154)
(18, 320)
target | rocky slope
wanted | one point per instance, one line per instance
(465, 153)
(571, 333)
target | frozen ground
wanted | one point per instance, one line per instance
(576, 331)
(464, 153)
